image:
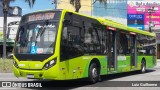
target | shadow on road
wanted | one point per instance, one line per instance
(120, 75)
(71, 84)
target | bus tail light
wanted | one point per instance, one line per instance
(50, 63)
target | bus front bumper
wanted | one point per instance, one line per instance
(36, 74)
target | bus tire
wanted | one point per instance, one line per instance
(93, 73)
(143, 66)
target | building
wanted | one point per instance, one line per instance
(14, 16)
(114, 10)
(85, 6)
(140, 14)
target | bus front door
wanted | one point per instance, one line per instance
(112, 51)
(133, 51)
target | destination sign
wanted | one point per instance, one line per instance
(40, 16)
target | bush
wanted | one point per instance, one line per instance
(6, 65)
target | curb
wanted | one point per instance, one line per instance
(158, 59)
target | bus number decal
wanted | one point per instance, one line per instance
(122, 58)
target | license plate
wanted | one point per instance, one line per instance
(30, 76)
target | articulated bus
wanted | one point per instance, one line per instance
(65, 45)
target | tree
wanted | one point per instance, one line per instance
(6, 4)
(77, 3)
(30, 2)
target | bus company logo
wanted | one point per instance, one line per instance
(6, 84)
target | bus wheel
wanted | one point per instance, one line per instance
(93, 73)
(143, 67)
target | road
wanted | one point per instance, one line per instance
(110, 82)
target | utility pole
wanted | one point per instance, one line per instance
(5, 12)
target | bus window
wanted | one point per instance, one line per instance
(71, 43)
(123, 43)
(22, 36)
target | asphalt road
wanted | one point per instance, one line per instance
(124, 81)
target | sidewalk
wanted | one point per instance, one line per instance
(158, 64)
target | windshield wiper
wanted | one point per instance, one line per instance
(40, 32)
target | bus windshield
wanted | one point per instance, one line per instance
(37, 35)
(37, 38)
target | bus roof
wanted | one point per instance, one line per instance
(124, 27)
(104, 21)
(111, 23)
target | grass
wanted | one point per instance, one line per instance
(6, 65)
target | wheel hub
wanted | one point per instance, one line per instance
(143, 68)
(94, 73)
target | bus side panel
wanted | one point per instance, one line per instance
(149, 61)
(63, 70)
(104, 65)
(123, 63)
(78, 67)
(74, 68)
(86, 60)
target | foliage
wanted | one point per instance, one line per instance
(1, 35)
(30, 2)
(8, 65)
(77, 3)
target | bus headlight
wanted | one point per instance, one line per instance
(15, 64)
(50, 64)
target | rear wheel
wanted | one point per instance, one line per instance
(93, 73)
(143, 67)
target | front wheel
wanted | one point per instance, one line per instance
(143, 67)
(93, 73)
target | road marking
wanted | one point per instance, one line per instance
(9, 78)
(7, 88)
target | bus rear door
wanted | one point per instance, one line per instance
(133, 50)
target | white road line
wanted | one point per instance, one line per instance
(7, 88)
(9, 78)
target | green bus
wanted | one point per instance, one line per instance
(64, 45)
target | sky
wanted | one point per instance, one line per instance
(38, 5)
